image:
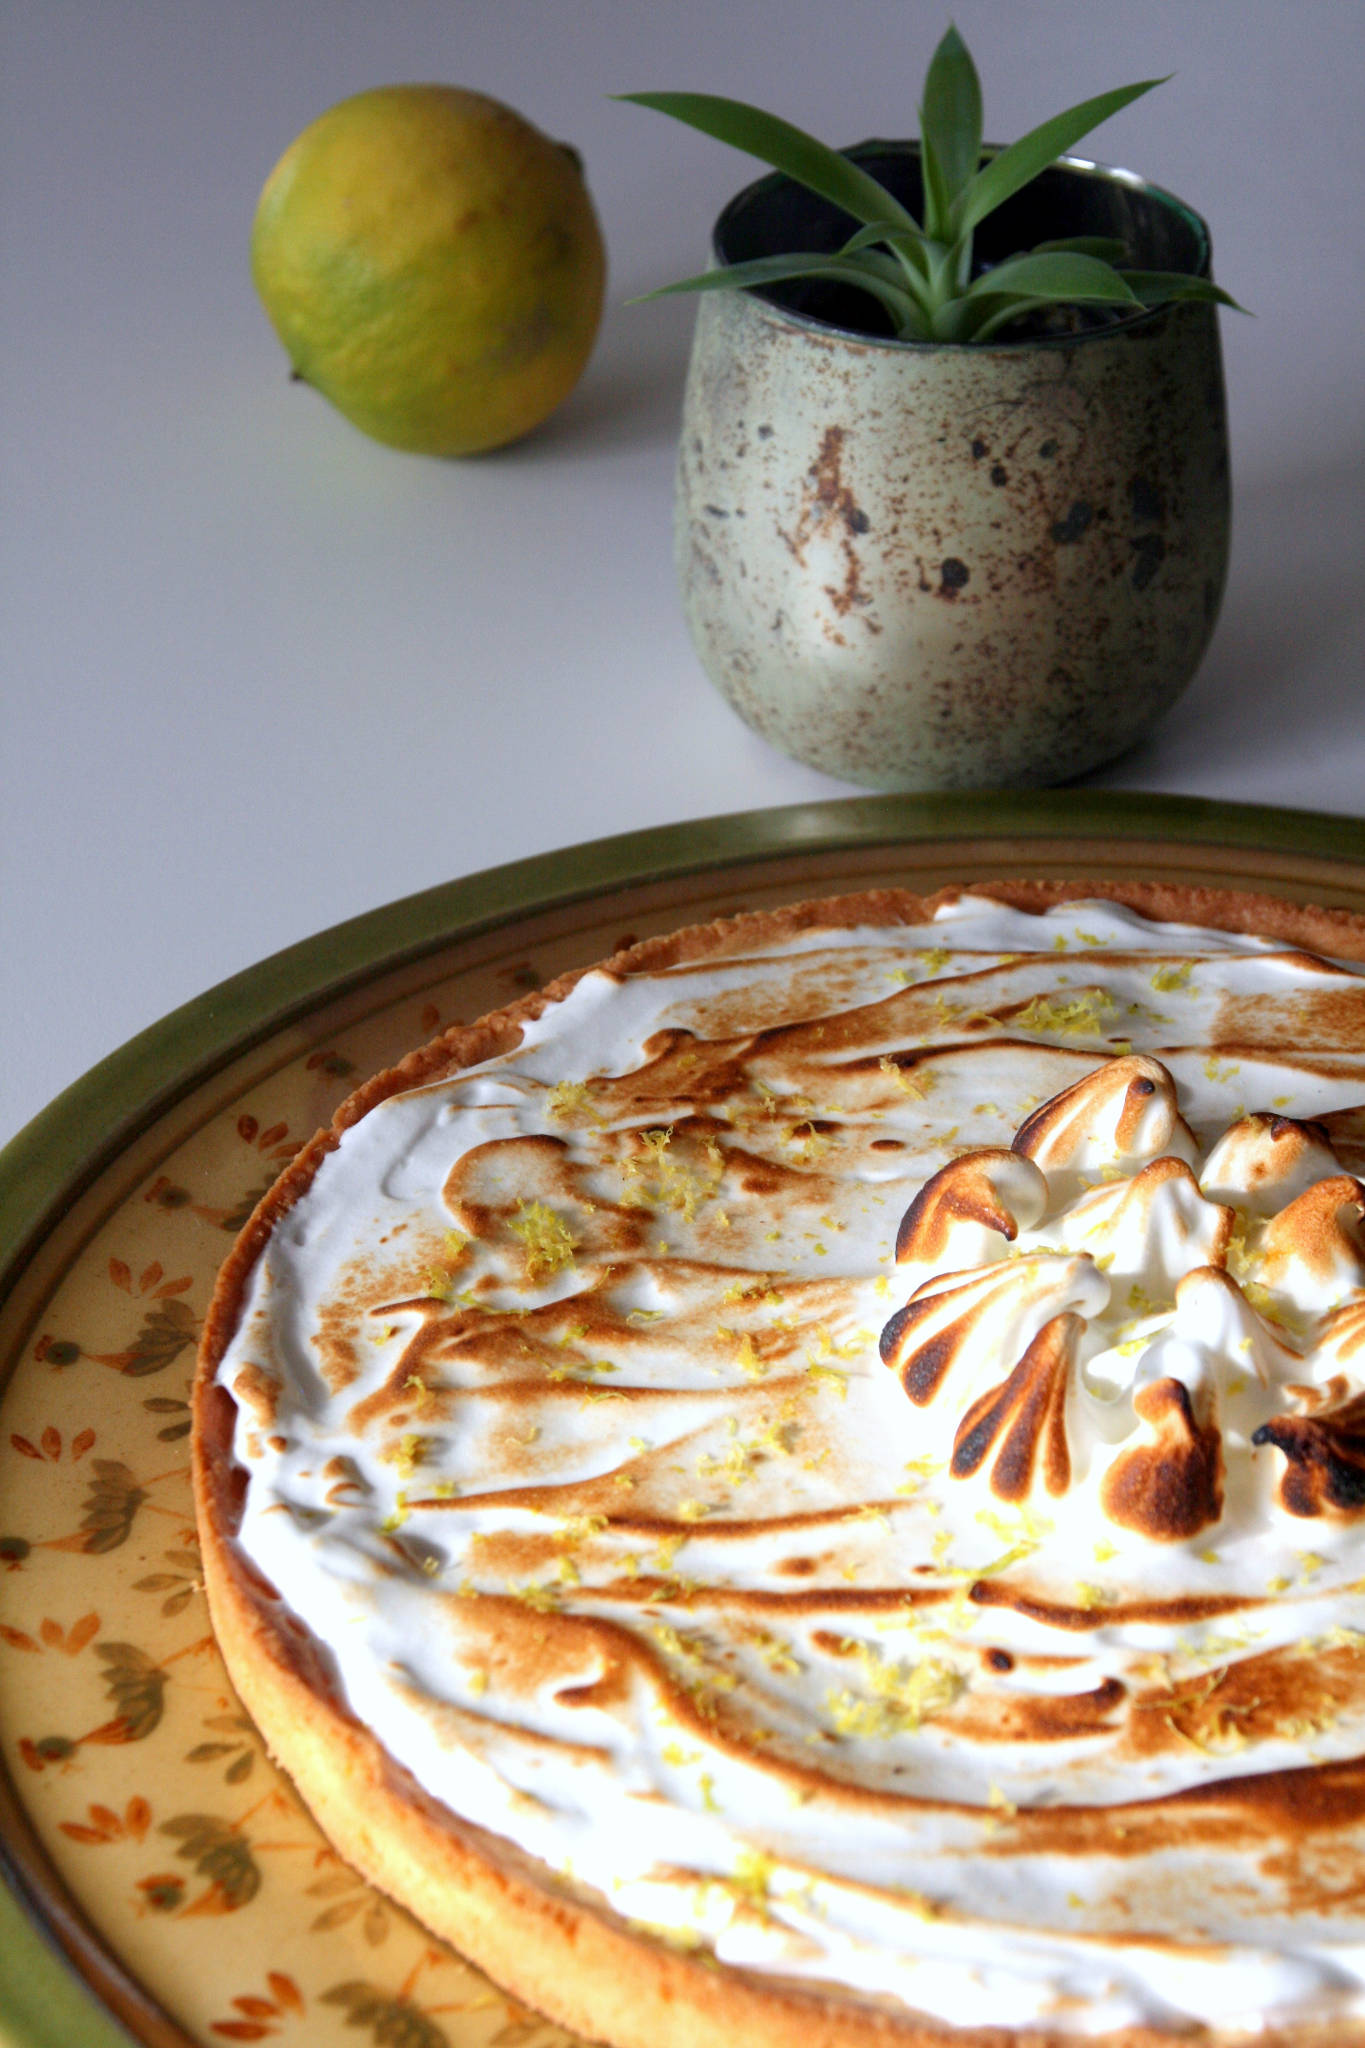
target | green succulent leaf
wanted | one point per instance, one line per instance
(765, 270)
(1105, 247)
(787, 148)
(899, 268)
(1021, 283)
(1017, 166)
(1065, 279)
(1154, 286)
(938, 198)
(978, 320)
(950, 126)
(909, 254)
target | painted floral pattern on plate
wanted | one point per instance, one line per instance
(145, 1781)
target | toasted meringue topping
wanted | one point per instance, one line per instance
(1161, 1246)
(1022, 1422)
(1121, 1114)
(1263, 1161)
(1170, 1486)
(953, 1329)
(1021, 1683)
(1152, 1229)
(1325, 1459)
(1313, 1250)
(962, 1211)
(1341, 1336)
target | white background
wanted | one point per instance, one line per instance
(260, 674)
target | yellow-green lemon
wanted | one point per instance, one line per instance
(433, 265)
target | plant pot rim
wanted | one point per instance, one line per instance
(1081, 166)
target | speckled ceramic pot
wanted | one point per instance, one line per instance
(924, 566)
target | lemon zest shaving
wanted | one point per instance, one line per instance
(900, 1696)
(549, 1244)
(916, 1085)
(569, 1100)
(1078, 1018)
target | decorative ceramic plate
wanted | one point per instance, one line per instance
(159, 1868)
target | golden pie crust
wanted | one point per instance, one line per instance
(556, 1947)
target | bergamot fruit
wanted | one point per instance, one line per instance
(433, 265)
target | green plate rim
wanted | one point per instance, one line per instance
(44, 2001)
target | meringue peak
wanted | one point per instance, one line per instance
(967, 1204)
(1264, 1160)
(1124, 1112)
(1072, 1322)
(1170, 1487)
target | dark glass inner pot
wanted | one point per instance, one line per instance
(776, 216)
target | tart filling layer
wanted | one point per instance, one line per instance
(855, 1452)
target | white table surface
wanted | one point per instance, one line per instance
(260, 674)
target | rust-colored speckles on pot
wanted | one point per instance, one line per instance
(831, 491)
(827, 505)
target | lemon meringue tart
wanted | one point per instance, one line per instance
(809, 1480)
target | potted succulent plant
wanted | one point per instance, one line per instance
(952, 491)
